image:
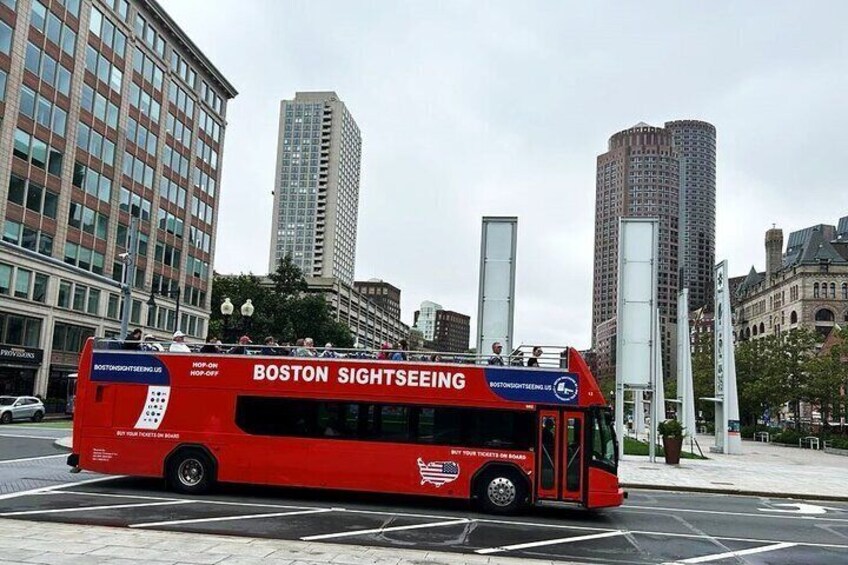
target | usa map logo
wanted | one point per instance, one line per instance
(438, 473)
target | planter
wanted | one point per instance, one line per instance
(672, 447)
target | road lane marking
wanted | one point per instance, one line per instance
(42, 490)
(798, 508)
(197, 500)
(542, 543)
(92, 508)
(793, 516)
(226, 518)
(24, 436)
(740, 553)
(33, 458)
(386, 529)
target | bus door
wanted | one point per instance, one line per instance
(548, 455)
(560, 455)
(574, 452)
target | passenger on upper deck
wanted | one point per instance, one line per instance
(270, 347)
(400, 354)
(241, 348)
(328, 352)
(179, 344)
(517, 358)
(496, 359)
(150, 344)
(133, 340)
(211, 345)
(534, 361)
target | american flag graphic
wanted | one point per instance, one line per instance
(438, 472)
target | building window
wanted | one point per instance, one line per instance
(833, 290)
(70, 338)
(816, 290)
(825, 315)
(844, 291)
(19, 330)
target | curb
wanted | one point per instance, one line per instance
(738, 492)
(66, 443)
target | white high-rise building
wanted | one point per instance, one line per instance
(316, 194)
(425, 319)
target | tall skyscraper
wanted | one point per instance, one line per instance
(694, 142)
(638, 177)
(664, 173)
(316, 194)
(110, 111)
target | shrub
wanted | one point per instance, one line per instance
(670, 429)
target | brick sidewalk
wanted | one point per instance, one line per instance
(762, 469)
(51, 543)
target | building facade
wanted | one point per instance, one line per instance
(385, 295)
(807, 288)
(694, 143)
(316, 188)
(425, 319)
(370, 324)
(638, 177)
(110, 112)
(453, 330)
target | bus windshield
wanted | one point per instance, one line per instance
(604, 449)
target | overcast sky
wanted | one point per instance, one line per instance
(501, 108)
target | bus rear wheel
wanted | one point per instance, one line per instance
(502, 491)
(190, 471)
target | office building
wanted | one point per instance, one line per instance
(638, 177)
(383, 294)
(316, 188)
(452, 332)
(694, 142)
(425, 319)
(109, 112)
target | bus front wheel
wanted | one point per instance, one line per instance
(502, 491)
(190, 471)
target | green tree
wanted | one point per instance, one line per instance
(283, 309)
(797, 351)
(288, 279)
(828, 379)
(703, 374)
(758, 378)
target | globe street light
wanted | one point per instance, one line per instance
(247, 314)
(226, 312)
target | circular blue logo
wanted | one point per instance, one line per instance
(565, 388)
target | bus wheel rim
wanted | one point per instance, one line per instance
(501, 491)
(190, 472)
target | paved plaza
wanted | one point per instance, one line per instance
(762, 469)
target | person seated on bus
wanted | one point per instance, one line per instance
(269, 346)
(496, 358)
(150, 344)
(400, 354)
(211, 345)
(534, 360)
(517, 358)
(328, 352)
(435, 358)
(385, 351)
(179, 345)
(241, 348)
(133, 340)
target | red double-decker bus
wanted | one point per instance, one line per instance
(503, 436)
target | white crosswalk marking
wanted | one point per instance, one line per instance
(543, 543)
(740, 553)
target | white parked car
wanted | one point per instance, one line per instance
(20, 408)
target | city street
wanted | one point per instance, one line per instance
(652, 527)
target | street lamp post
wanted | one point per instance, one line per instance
(152, 302)
(247, 314)
(226, 312)
(128, 276)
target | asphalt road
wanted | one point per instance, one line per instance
(652, 527)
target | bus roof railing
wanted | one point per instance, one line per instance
(551, 356)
